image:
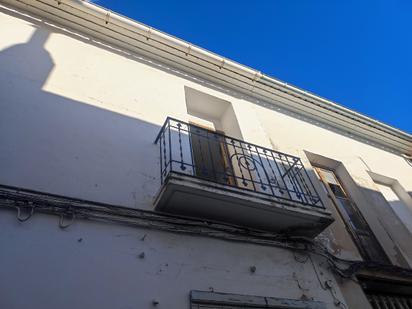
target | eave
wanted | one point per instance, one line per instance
(100, 23)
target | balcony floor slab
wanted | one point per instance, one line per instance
(190, 196)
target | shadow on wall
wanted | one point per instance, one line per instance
(55, 144)
(392, 224)
(369, 204)
(170, 70)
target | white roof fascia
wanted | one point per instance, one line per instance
(113, 28)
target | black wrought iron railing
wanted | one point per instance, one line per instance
(198, 152)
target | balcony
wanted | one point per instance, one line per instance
(208, 175)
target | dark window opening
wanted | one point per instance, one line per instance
(384, 294)
(359, 229)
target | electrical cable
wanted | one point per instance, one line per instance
(72, 209)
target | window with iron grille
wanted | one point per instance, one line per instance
(387, 294)
(199, 152)
(368, 245)
(383, 301)
(213, 300)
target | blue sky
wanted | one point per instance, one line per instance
(356, 53)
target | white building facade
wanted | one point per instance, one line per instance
(140, 171)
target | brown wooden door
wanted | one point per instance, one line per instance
(210, 156)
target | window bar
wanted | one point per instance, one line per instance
(292, 181)
(280, 174)
(264, 171)
(395, 303)
(379, 301)
(399, 303)
(374, 302)
(290, 166)
(162, 130)
(305, 186)
(219, 175)
(202, 167)
(164, 153)
(182, 164)
(189, 133)
(170, 148)
(314, 190)
(406, 303)
(274, 175)
(295, 170)
(402, 301)
(298, 183)
(161, 161)
(226, 145)
(389, 303)
(256, 167)
(247, 166)
(385, 303)
(236, 155)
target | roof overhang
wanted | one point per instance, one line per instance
(112, 28)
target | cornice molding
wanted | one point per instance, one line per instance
(100, 23)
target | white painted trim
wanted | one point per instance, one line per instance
(101, 23)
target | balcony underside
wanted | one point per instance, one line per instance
(190, 196)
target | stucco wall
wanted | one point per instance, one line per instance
(97, 265)
(99, 101)
(79, 118)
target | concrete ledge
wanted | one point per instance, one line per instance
(189, 196)
(247, 301)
